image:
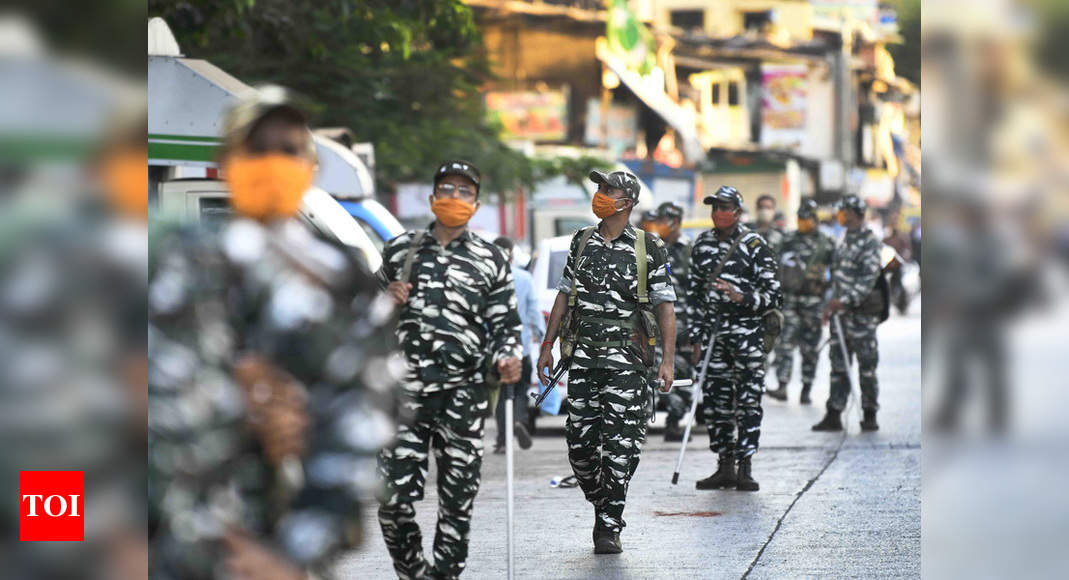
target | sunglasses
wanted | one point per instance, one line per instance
(450, 190)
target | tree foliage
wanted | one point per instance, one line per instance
(907, 55)
(403, 74)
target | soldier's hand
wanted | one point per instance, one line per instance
(695, 354)
(510, 370)
(545, 365)
(277, 407)
(665, 374)
(399, 291)
(249, 559)
(729, 290)
(834, 305)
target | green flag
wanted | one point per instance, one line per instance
(630, 39)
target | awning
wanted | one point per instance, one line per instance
(653, 95)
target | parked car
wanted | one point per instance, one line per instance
(375, 219)
(207, 200)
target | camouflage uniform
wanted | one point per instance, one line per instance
(607, 384)
(282, 293)
(773, 236)
(801, 309)
(462, 306)
(679, 255)
(854, 274)
(735, 380)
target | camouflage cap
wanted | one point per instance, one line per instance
(461, 168)
(853, 202)
(807, 209)
(617, 180)
(726, 193)
(243, 117)
(670, 210)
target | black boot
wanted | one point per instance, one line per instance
(779, 394)
(805, 400)
(724, 476)
(869, 422)
(674, 432)
(607, 542)
(832, 421)
(746, 482)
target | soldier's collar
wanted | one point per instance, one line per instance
(465, 235)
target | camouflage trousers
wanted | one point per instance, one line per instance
(733, 387)
(679, 400)
(606, 428)
(450, 423)
(860, 330)
(801, 330)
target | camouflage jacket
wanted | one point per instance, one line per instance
(856, 267)
(773, 236)
(462, 308)
(606, 279)
(679, 256)
(813, 251)
(312, 308)
(751, 269)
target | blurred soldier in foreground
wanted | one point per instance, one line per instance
(855, 299)
(615, 283)
(668, 227)
(732, 284)
(458, 312)
(271, 372)
(805, 258)
(533, 321)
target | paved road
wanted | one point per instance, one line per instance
(829, 506)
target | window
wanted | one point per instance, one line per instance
(716, 93)
(688, 19)
(557, 260)
(733, 94)
(568, 226)
(756, 21)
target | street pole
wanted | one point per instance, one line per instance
(510, 396)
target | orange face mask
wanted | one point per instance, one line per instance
(267, 187)
(124, 177)
(603, 205)
(452, 212)
(841, 216)
(660, 229)
(806, 225)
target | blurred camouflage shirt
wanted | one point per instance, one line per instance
(751, 269)
(857, 264)
(461, 309)
(679, 255)
(813, 251)
(606, 278)
(312, 308)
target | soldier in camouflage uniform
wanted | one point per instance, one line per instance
(668, 227)
(271, 372)
(458, 305)
(854, 276)
(805, 258)
(765, 223)
(608, 381)
(732, 307)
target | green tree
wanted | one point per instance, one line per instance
(403, 74)
(907, 55)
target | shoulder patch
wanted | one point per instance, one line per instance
(755, 242)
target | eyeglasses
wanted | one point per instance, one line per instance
(450, 190)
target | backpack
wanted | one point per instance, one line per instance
(645, 333)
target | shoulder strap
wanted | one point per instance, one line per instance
(640, 261)
(587, 232)
(413, 249)
(723, 261)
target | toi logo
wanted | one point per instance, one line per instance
(51, 506)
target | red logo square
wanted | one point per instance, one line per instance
(51, 506)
